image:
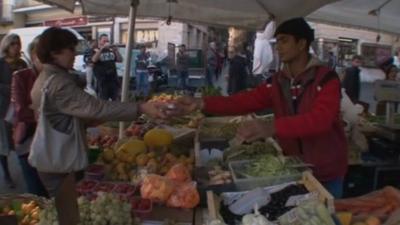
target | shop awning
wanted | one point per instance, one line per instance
(251, 14)
(362, 13)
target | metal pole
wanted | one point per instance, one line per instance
(128, 57)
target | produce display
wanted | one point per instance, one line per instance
(153, 154)
(164, 97)
(255, 219)
(308, 213)
(156, 188)
(102, 141)
(141, 207)
(381, 119)
(191, 121)
(179, 173)
(217, 176)
(152, 168)
(248, 151)
(380, 204)
(274, 208)
(175, 189)
(158, 138)
(27, 213)
(219, 131)
(277, 206)
(139, 128)
(210, 91)
(106, 209)
(267, 166)
(184, 196)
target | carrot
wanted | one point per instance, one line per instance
(384, 210)
(356, 203)
(391, 193)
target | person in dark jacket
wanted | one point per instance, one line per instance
(351, 81)
(25, 121)
(305, 97)
(182, 64)
(104, 61)
(10, 61)
(143, 60)
(237, 79)
(212, 64)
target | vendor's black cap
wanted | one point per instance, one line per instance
(298, 27)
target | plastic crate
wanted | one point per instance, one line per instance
(248, 183)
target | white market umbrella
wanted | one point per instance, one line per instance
(248, 14)
(380, 15)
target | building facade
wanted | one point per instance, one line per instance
(342, 41)
(345, 42)
(155, 33)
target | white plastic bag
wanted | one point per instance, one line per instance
(263, 54)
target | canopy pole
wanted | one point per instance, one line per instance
(128, 57)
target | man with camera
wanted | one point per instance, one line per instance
(104, 58)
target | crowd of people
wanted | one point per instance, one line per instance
(44, 104)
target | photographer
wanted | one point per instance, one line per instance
(105, 70)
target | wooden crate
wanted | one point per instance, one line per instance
(309, 181)
(313, 185)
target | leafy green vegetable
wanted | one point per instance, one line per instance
(269, 165)
(248, 151)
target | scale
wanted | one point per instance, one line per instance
(386, 143)
(389, 91)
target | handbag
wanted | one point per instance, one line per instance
(53, 151)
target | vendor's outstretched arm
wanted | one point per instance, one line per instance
(239, 104)
(319, 120)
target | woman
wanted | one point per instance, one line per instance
(391, 72)
(66, 102)
(25, 122)
(10, 61)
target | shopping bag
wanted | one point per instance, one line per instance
(54, 151)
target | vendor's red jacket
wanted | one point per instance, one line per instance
(307, 117)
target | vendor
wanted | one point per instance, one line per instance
(305, 97)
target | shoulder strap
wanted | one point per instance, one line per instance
(44, 91)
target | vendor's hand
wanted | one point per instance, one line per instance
(156, 110)
(255, 129)
(186, 105)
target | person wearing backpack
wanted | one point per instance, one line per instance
(305, 97)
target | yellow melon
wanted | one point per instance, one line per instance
(158, 138)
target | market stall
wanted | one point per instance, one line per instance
(189, 171)
(373, 149)
(172, 174)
